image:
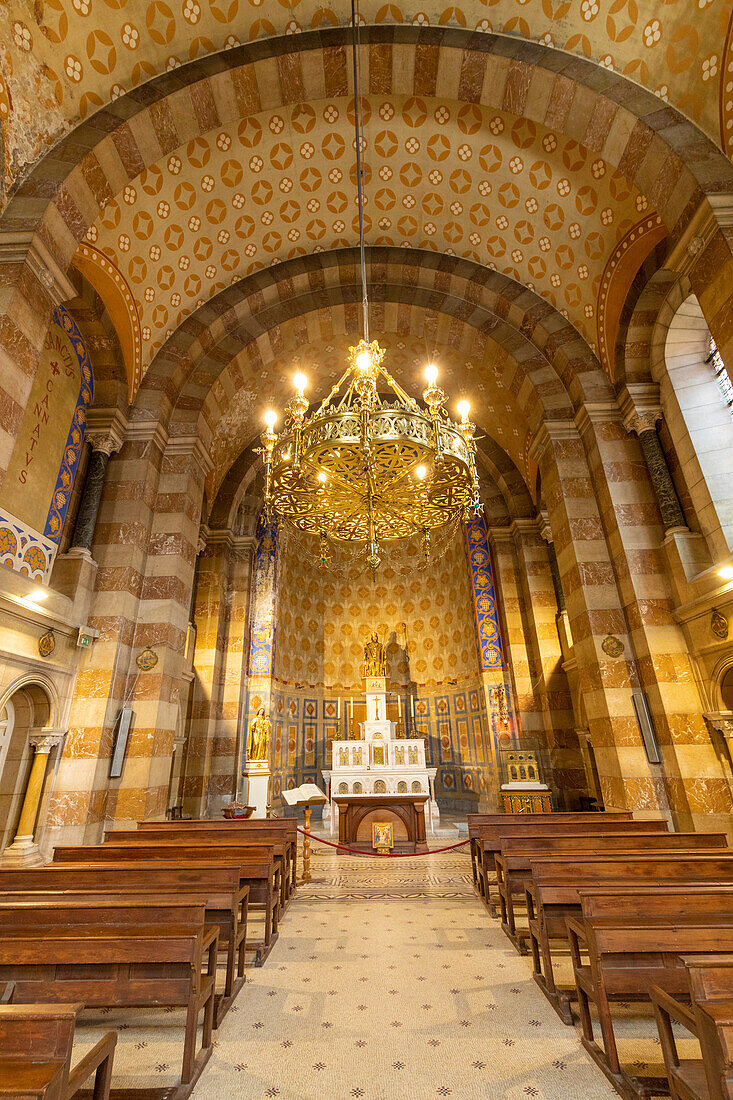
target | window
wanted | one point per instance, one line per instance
(718, 367)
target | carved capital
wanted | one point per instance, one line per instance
(45, 740)
(106, 430)
(639, 422)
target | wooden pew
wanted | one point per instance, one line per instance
(634, 941)
(489, 843)
(109, 956)
(553, 895)
(513, 860)
(35, 1054)
(477, 822)
(212, 838)
(710, 1019)
(286, 827)
(258, 869)
(218, 889)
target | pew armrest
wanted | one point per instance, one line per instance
(679, 1012)
(100, 1053)
(577, 935)
(530, 895)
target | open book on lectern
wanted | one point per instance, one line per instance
(307, 794)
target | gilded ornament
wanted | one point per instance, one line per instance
(47, 643)
(258, 742)
(146, 659)
(375, 657)
(719, 624)
(612, 645)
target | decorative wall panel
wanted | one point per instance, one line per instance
(484, 596)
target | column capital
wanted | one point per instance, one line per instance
(203, 539)
(106, 430)
(26, 247)
(525, 525)
(551, 431)
(191, 445)
(45, 740)
(597, 412)
(721, 721)
(220, 537)
(499, 534)
(640, 406)
(544, 526)
(147, 431)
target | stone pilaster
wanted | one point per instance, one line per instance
(596, 615)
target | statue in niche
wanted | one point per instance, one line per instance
(375, 657)
(258, 742)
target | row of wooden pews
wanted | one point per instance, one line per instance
(141, 920)
(643, 915)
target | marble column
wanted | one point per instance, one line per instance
(86, 519)
(644, 426)
(554, 572)
(23, 852)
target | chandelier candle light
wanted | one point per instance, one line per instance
(370, 465)
(368, 469)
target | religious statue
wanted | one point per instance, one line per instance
(258, 742)
(375, 658)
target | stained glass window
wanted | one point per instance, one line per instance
(718, 367)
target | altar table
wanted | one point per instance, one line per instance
(405, 812)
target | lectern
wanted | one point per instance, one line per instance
(306, 795)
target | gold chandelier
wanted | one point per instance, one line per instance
(368, 468)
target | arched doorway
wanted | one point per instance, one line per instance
(24, 716)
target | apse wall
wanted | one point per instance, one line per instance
(323, 620)
(427, 621)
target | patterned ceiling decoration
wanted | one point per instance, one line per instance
(480, 379)
(461, 179)
(62, 60)
(556, 361)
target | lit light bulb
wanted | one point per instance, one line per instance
(463, 410)
(420, 472)
(322, 477)
(300, 382)
(726, 573)
(364, 361)
(431, 374)
(270, 418)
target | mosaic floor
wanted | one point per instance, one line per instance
(389, 980)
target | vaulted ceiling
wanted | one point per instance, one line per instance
(199, 173)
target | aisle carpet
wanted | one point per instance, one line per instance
(389, 980)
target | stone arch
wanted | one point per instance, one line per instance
(662, 151)
(698, 421)
(31, 702)
(554, 354)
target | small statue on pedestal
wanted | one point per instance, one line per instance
(258, 742)
(375, 657)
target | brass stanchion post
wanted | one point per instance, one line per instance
(307, 844)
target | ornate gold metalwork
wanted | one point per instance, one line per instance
(367, 469)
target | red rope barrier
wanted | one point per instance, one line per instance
(392, 855)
